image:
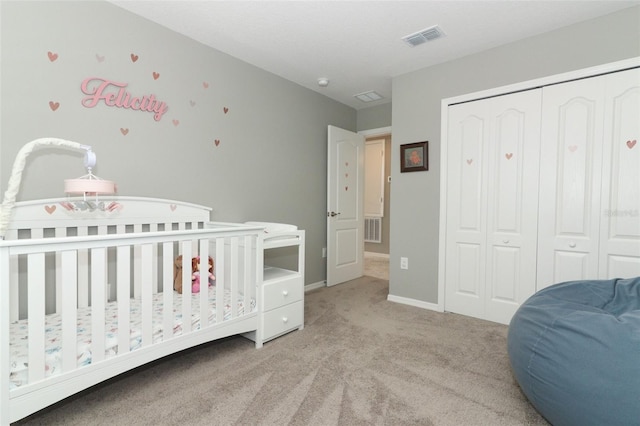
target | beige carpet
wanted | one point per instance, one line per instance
(376, 266)
(361, 360)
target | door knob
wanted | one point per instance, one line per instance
(332, 214)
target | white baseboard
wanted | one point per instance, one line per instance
(314, 286)
(416, 303)
(374, 254)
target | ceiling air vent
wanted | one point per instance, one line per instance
(369, 96)
(429, 34)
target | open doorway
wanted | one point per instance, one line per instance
(377, 201)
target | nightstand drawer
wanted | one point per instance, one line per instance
(282, 292)
(283, 319)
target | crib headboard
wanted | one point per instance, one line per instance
(38, 216)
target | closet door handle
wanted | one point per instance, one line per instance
(332, 214)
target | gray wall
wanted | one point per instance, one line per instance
(416, 117)
(375, 117)
(270, 164)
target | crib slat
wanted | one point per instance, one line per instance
(36, 302)
(123, 290)
(136, 265)
(146, 253)
(167, 295)
(104, 230)
(59, 233)
(246, 290)
(69, 301)
(235, 250)
(14, 285)
(186, 286)
(6, 313)
(220, 279)
(83, 272)
(153, 227)
(37, 233)
(204, 283)
(98, 283)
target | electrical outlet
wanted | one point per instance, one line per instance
(404, 263)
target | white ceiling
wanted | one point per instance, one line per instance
(357, 44)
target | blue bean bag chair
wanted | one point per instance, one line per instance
(574, 349)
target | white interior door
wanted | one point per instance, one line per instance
(345, 205)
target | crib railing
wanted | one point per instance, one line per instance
(89, 271)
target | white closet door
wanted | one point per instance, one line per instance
(492, 205)
(620, 212)
(570, 178)
(512, 222)
(468, 133)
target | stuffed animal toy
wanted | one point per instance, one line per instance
(195, 274)
(195, 278)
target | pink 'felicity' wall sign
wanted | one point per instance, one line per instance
(114, 95)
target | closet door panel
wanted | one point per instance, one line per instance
(620, 225)
(466, 233)
(569, 264)
(570, 168)
(492, 162)
(468, 279)
(512, 203)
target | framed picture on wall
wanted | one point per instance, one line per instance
(414, 157)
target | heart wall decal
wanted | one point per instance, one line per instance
(54, 105)
(124, 131)
(509, 155)
(156, 75)
(52, 56)
(469, 161)
(134, 57)
(99, 58)
(217, 142)
(573, 148)
(50, 209)
(631, 144)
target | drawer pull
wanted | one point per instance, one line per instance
(285, 320)
(572, 244)
(285, 293)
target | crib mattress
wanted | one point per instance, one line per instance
(53, 332)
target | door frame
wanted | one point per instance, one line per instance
(444, 124)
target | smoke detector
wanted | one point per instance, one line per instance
(428, 34)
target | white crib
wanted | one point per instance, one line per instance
(83, 294)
